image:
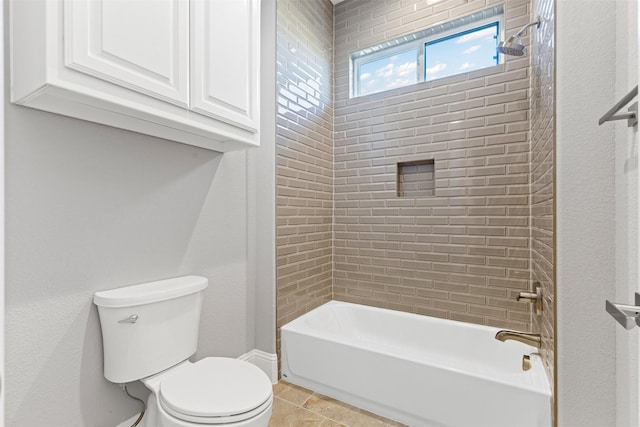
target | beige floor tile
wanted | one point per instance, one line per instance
(329, 408)
(330, 423)
(295, 406)
(367, 419)
(385, 421)
(291, 393)
(345, 414)
(286, 414)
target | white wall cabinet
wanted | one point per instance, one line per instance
(183, 70)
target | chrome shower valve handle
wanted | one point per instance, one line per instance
(534, 297)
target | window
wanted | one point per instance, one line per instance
(458, 46)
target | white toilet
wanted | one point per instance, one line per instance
(148, 333)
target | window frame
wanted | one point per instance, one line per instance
(358, 58)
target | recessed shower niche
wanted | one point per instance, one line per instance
(416, 178)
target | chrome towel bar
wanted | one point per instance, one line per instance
(631, 116)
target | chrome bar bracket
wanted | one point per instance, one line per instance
(631, 116)
(634, 113)
(627, 315)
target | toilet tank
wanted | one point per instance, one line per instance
(149, 327)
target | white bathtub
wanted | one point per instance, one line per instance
(418, 370)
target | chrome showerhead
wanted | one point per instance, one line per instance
(513, 46)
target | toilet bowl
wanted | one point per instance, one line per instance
(149, 331)
(213, 391)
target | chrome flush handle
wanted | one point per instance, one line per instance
(131, 319)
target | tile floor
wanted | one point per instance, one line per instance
(294, 406)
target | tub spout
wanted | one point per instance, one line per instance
(530, 339)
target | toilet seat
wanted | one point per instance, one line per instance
(216, 390)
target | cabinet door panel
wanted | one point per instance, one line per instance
(142, 45)
(225, 60)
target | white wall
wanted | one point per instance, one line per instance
(626, 209)
(2, 250)
(91, 207)
(262, 168)
(585, 72)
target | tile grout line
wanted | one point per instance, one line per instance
(307, 399)
(303, 408)
(320, 415)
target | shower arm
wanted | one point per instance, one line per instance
(537, 23)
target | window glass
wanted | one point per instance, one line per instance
(388, 72)
(461, 53)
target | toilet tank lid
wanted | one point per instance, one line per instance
(146, 293)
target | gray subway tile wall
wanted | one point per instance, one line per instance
(463, 252)
(304, 144)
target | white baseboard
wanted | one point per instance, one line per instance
(266, 361)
